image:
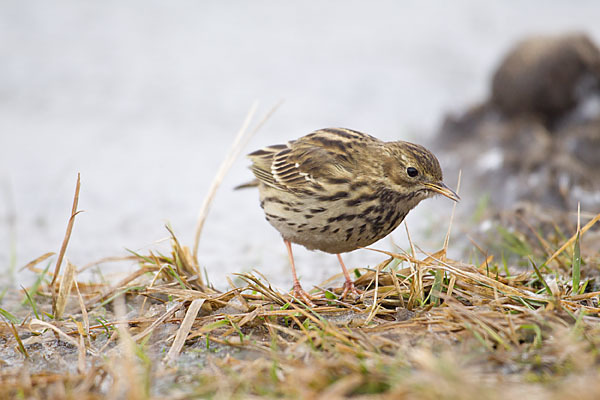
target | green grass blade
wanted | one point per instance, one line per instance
(37, 283)
(540, 277)
(505, 265)
(31, 302)
(436, 288)
(513, 243)
(120, 292)
(20, 345)
(537, 342)
(9, 316)
(147, 259)
(576, 266)
(175, 276)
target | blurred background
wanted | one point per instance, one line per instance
(145, 97)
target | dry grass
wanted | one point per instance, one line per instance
(425, 327)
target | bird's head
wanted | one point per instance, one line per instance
(411, 168)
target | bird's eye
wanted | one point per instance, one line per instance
(412, 172)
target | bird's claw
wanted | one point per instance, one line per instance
(301, 294)
(349, 288)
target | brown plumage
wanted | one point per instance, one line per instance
(336, 190)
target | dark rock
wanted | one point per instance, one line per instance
(538, 138)
(546, 76)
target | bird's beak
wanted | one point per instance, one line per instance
(441, 188)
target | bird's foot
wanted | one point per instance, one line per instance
(349, 288)
(301, 294)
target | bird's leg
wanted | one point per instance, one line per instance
(348, 284)
(297, 290)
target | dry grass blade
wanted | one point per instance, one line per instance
(375, 306)
(234, 151)
(84, 313)
(38, 260)
(447, 238)
(184, 263)
(473, 274)
(37, 323)
(237, 294)
(81, 356)
(64, 289)
(573, 238)
(63, 247)
(105, 260)
(416, 284)
(157, 322)
(257, 285)
(129, 379)
(119, 286)
(238, 144)
(184, 330)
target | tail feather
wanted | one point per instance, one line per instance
(251, 184)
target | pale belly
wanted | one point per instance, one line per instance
(336, 224)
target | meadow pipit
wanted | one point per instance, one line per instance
(336, 190)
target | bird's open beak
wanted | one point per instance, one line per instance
(441, 188)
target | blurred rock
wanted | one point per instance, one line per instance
(546, 76)
(537, 138)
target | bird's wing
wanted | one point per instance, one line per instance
(322, 157)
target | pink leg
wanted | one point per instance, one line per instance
(348, 285)
(297, 291)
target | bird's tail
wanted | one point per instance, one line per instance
(251, 184)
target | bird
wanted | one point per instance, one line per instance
(337, 190)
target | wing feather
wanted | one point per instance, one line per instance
(311, 161)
